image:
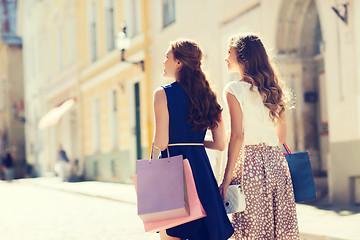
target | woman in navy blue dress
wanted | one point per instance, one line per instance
(184, 110)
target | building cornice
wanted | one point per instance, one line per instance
(62, 82)
(109, 72)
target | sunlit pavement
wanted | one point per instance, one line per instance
(28, 212)
(46, 208)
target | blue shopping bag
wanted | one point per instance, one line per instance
(301, 175)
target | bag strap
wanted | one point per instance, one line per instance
(242, 165)
(287, 149)
(242, 157)
(152, 152)
(242, 154)
(174, 144)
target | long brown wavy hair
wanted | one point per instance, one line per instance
(258, 71)
(204, 110)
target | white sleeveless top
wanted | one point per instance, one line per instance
(257, 124)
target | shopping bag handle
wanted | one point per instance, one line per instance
(152, 152)
(287, 149)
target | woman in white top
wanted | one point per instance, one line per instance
(257, 114)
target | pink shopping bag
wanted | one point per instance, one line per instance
(161, 187)
(196, 209)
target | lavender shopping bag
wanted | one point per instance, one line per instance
(161, 188)
(196, 209)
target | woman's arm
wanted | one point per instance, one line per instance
(218, 141)
(161, 136)
(281, 128)
(236, 139)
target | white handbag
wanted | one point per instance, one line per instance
(235, 197)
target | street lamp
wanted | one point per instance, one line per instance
(123, 43)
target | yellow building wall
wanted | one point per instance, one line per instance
(83, 28)
(102, 89)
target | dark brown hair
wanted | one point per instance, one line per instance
(204, 109)
(252, 56)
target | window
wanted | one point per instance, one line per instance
(72, 41)
(96, 168)
(48, 51)
(109, 25)
(114, 139)
(113, 168)
(132, 13)
(42, 56)
(3, 91)
(37, 56)
(60, 50)
(27, 59)
(96, 124)
(169, 12)
(31, 57)
(92, 30)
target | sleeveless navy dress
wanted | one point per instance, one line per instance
(216, 226)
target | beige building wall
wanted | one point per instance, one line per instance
(341, 69)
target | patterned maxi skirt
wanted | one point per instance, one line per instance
(270, 205)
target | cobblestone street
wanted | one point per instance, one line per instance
(34, 213)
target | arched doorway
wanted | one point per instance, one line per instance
(301, 61)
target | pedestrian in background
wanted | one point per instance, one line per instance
(184, 110)
(2, 168)
(8, 166)
(63, 164)
(256, 105)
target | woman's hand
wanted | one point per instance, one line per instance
(223, 188)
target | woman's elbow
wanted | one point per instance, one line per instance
(221, 146)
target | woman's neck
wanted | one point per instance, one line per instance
(241, 75)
